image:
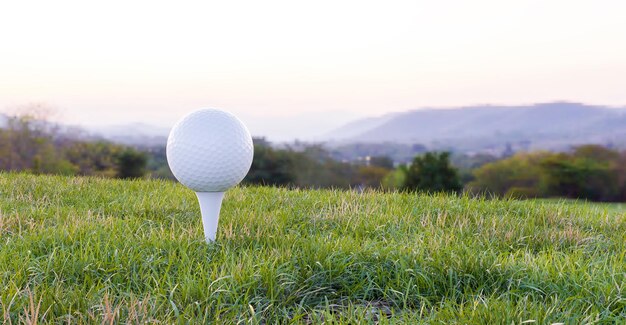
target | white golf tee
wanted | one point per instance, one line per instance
(210, 204)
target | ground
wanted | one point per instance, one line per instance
(89, 250)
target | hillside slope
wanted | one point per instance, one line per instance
(87, 250)
(541, 126)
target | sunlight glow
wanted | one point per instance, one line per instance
(154, 60)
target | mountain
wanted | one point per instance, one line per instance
(360, 126)
(541, 126)
(306, 126)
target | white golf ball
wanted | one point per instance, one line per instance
(209, 150)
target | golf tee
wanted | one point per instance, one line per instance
(210, 204)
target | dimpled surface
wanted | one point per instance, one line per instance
(209, 150)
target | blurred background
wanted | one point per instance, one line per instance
(523, 100)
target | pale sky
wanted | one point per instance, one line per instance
(122, 61)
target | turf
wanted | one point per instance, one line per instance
(88, 250)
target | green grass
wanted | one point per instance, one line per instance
(87, 250)
(609, 207)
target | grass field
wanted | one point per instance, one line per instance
(86, 250)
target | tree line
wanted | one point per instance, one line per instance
(29, 143)
(592, 172)
(312, 167)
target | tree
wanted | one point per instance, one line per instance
(432, 172)
(315, 168)
(381, 161)
(371, 176)
(467, 163)
(28, 141)
(271, 167)
(590, 172)
(131, 164)
(394, 179)
(309, 166)
(157, 163)
(94, 158)
(519, 176)
(621, 171)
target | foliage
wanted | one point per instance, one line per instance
(93, 158)
(371, 176)
(382, 162)
(25, 144)
(317, 169)
(30, 143)
(310, 167)
(157, 162)
(271, 167)
(93, 250)
(394, 179)
(466, 163)
(518, 176)
(131, 163)
(591, 172)
(588, 172)
(432, 172)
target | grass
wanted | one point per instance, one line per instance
(609, 207)
(87, 250)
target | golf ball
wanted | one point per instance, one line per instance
(209, 150)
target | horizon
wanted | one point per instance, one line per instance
(290, 127)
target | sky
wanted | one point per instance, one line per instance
(305, 66)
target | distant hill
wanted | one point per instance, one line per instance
(137, 134)
(542, 126)
(360, 126)
(134, 134)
